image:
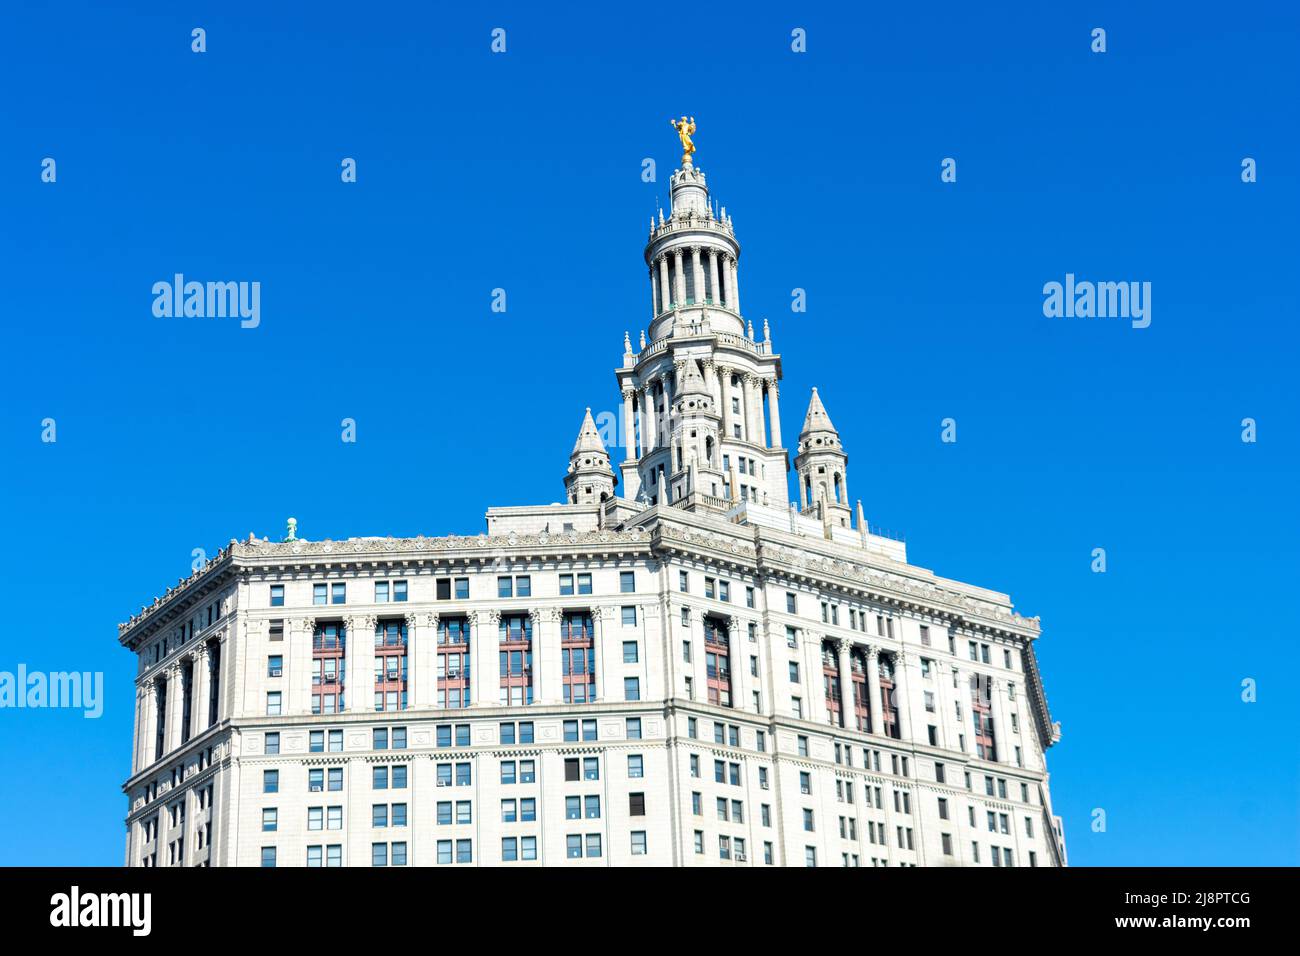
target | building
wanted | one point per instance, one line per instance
(678, 666)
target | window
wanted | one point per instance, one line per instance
(584, 583)
(272, 745)
(635, 767)
(270, 781)
(630, 655)
(338, 593)
(791, 606)
(627, 582)
(631, 688)
(566, 585)
(794, 672)
(638, 843)
(802, 743)
(268, 856)
(683, 582)
(629, 616)
(749, 596)
(381, 592)
(277, 595)
(505, 586)
(636, 804)
(320, 594)
(633, 728)
(273, 704)
(270, 819)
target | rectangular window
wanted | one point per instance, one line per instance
(683, 582)
(505, 586)
(630, 652)
(319, 594)
(629, 616)
(277, 595)
(584, 583)
(566, 585)
(631, 688)
(338, 593)
(627, 582)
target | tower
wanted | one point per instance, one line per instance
(590, 480)
(699, 341)
(822, 467)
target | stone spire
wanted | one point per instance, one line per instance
(590, 479)
(822, 467)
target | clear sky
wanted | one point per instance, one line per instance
(522, 171)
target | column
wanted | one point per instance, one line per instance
(713, 277)
(654, 298)
(629, 426)
(728, 290)
(844, 488)
(485, 658)
(551, 667)
(201, 686)
(756, 392)
(747, 408)
(679, 279)
(697, 264)
(724, 400)
(665, 289)
(737, 649)
(774, 411)
(148, 721)
(298, 664)
(421, 648)
(1001, 728)
(902, 690)
(735, 286)
(874, 695)
(644, 401)
(814, 690)
(652, 430)
(603, 670)
(359, 655)
(848, 718)
(175, 705)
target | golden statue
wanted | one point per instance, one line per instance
(685, 127)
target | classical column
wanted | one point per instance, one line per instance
(421, 649)
(848, 717)
(299, 664)
(735, 286)
(148, 721)
(485, 655)
(629, 425)
(200, 686)
(739, 656)
(679, 279)
(652, 430)
(359, 654)
(665, 288)
(724, 399)
(713, 277)
(812, 686)
(874, 695)
(654, 298)
(728, 290)
(1001, 729)
(774, 411)
(175, 707)
(697, 264)
(747, 409)
(902, 691)
(756, 391)
(644, 402)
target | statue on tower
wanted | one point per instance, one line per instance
(685, 127)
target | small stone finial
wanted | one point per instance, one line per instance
(749, 329)
(627, 343)
(767, 332)
(643, 338)
(291, 530)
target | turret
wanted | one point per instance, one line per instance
(822, 467)
(590, 479)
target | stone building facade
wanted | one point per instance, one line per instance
(678, 666)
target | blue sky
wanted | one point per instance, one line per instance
(523, 171)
